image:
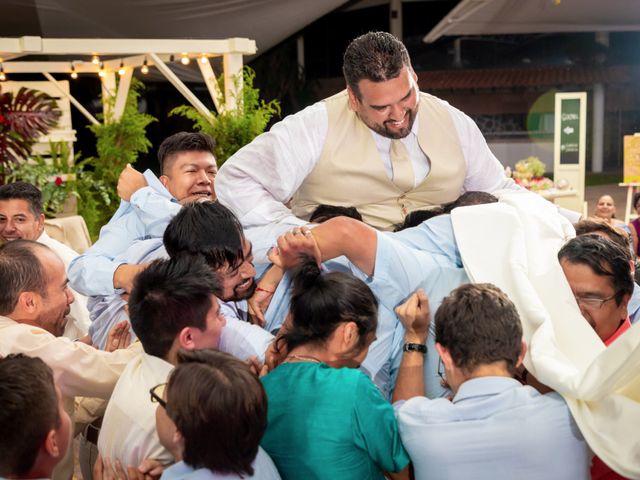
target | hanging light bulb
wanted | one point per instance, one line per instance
(95, 60)
(102, 73)
(3, 77)
(145, 67)
(203, 58)
(74, 74)
(121, 70)
(185, 59)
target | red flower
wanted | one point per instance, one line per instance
(3, 119)
(58, 181)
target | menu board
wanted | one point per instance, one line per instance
(632, 158)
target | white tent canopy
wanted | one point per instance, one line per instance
(491, 17)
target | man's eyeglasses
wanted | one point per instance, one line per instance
(441, 370)
(157, 393)
(593, 302)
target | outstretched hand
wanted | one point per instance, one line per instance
(415, 314)
(292, 246)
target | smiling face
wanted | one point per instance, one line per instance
(17, 221)
(238, 283)
(191, 174)
(389, 108)
(55, 305)
(606, 317)
(606, 207)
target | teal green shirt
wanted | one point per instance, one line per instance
(329, 423)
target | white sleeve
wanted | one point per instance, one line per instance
(484, 171)
(260, 178)
(242, 339)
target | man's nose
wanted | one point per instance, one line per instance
(397, 112)
(204, 178)
(248, 270)
(70, 296)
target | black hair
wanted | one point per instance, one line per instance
(322, 301)
(605, 258)
(23, 191)
(168, 296)
(182, 142)
(322, 213)
(208, 229)
(374, 56)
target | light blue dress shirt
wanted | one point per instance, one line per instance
(633, 307)
(263, 467)
(145, 216)
(239, 338)
(494, 429)
(425, 257)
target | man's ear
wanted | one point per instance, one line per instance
(444, 355)
(41, 222)
(186, 338)
(523, 352)
(28, 302)
(164, 180)
(354, 103)
(51, 445)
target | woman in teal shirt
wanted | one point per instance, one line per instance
(326, 419)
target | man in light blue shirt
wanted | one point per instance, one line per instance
(188, 170)
(392, 265)
(211, 230)
(494, 427)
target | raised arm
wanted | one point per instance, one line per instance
(258, 180)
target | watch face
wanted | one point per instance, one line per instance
(415, 347)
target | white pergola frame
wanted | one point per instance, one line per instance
(132, 54)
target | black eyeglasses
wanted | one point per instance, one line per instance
(157, 393)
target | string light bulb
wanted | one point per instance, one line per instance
(102, 73)
(203, 58)
(121, 70)
(145, 67)
(74, 74)
(185, 59)
(3, 77)
(95, 60)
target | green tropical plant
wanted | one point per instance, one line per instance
(56, 178)
(118, 142)
(23, 118)
(235, 128)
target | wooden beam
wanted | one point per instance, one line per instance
(124, 46)
(232, 80)
(75, 103)
(123, 91)
(180, 86)
(211, 82)
(108, 83)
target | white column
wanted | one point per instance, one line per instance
(395, 18)
(597, 132)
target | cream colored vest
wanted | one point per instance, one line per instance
(350, 172)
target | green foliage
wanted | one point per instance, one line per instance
(23, 118)
(234, 129)
(56, 179)
(117, 143)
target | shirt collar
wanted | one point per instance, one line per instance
(156, 184)
(626, 325)
(484, 386)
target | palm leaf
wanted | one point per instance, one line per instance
(26, 115)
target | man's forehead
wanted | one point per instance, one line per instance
(15, 206)
(198, 158)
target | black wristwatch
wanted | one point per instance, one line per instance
(415, 347)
